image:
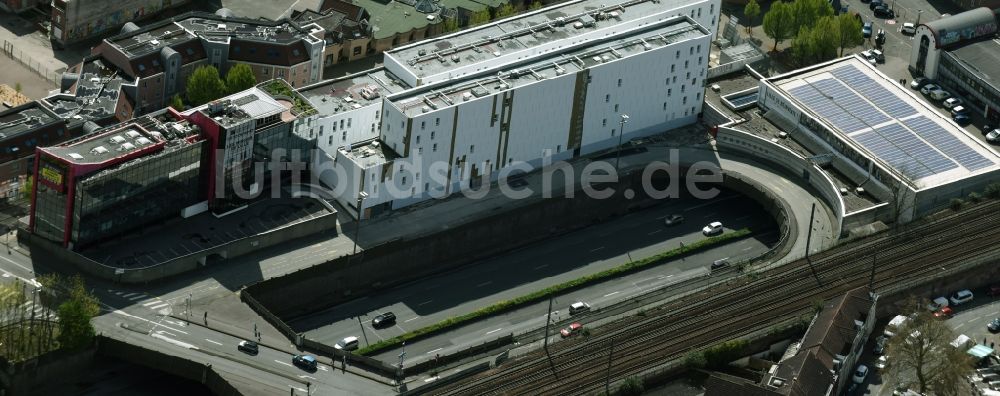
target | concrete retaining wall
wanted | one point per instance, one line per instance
(169, 364)
(24, 378)
(184, 263)
(750, 145)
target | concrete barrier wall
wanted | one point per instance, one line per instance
(24, 378)
(431, 364)
(185, 263)
(730, 139)
(371, 364)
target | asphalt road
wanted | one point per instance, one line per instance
(637, 235)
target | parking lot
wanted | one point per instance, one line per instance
(898, 45)
(969, 319)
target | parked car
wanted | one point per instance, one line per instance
(960, 297)
(875, 3)
(572, 329)
(894, 325)
(958, 110)
(993, 326)
(919, 82)
(867, 54)
(993, 291)
(884, 12)
(307, 362)
(928, 88)
(249, 347)
(879, 56)
(860, 374)
(937, 304)
(673, 219)
(940, 94)
(881, 363)
(720, 263)
(866, 30)
(578, 307)
(944, 313)
(347, 344)
(952, 102)
(909, 29)
(713, 228)
(880, 344)
(993, 137)
(384, 319)
(962, 119)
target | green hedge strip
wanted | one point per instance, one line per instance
(545, 293)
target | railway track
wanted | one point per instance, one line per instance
(727, 312)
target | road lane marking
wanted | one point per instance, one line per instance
(424, 303)
(293, 386)
(151, 302)
(123, 313)
(431, 379)
(541, 266)
(430, 352)
(748, 248)
(137, 297)
(484, 284)
(655, 232)
(415, 318)
(214, 342)
(20, 266)
(126, 295)
(159, 306)
(306, 376)
(596, 249)
(285, 363)
(611, 294)
(173, 341)
(321, 367)
(494, 331)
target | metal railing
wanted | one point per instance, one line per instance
(33, 65)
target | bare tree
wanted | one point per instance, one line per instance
(921, 353)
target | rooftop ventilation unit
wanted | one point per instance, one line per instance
(132, 134)
(99, 150)
(126, 147)
(455, 58)
(143, 141)
(578, 25)
(466, 96)
(116, 139)
(154, 42)
(424, 109)
(75, 156)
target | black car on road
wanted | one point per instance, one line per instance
(249, 347)
(383, 320)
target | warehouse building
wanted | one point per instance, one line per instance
(77, 20)
(888, 141)
(961, 52)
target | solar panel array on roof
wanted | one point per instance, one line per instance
(904, 151)
(744, 100)
(947, 143)
(840, 106)
(890, 103)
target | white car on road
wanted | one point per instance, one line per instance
(860, 374)
(713, 228)
(960, 297)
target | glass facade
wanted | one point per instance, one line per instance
(120, 199)
(50, 212)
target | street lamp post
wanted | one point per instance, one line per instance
(621, 133)
(918, 17)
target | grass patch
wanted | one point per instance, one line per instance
(545, 293)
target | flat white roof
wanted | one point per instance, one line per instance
(890, 123)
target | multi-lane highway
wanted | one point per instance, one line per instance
(634, 236)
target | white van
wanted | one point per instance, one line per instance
(578, 307)
(347, 344)
(894, 325)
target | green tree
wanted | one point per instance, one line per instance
(479, 17)
(504, 11)
(825, 39)
(752, 11)
(29, 184)
(848, 32)
(536, 5)
(17, 87)
(177, 103)
(240, 78)
(205, 85)
(802, 46)
(777, 23)
(808, 12)
(75, 330)
(921, 350)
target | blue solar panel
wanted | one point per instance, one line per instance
(947, 143)
(840, 106)
(884, 98)
(904, 151)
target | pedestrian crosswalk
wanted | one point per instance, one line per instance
(153, 303)
(25, 311)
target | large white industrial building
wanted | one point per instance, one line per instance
(454, 111)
